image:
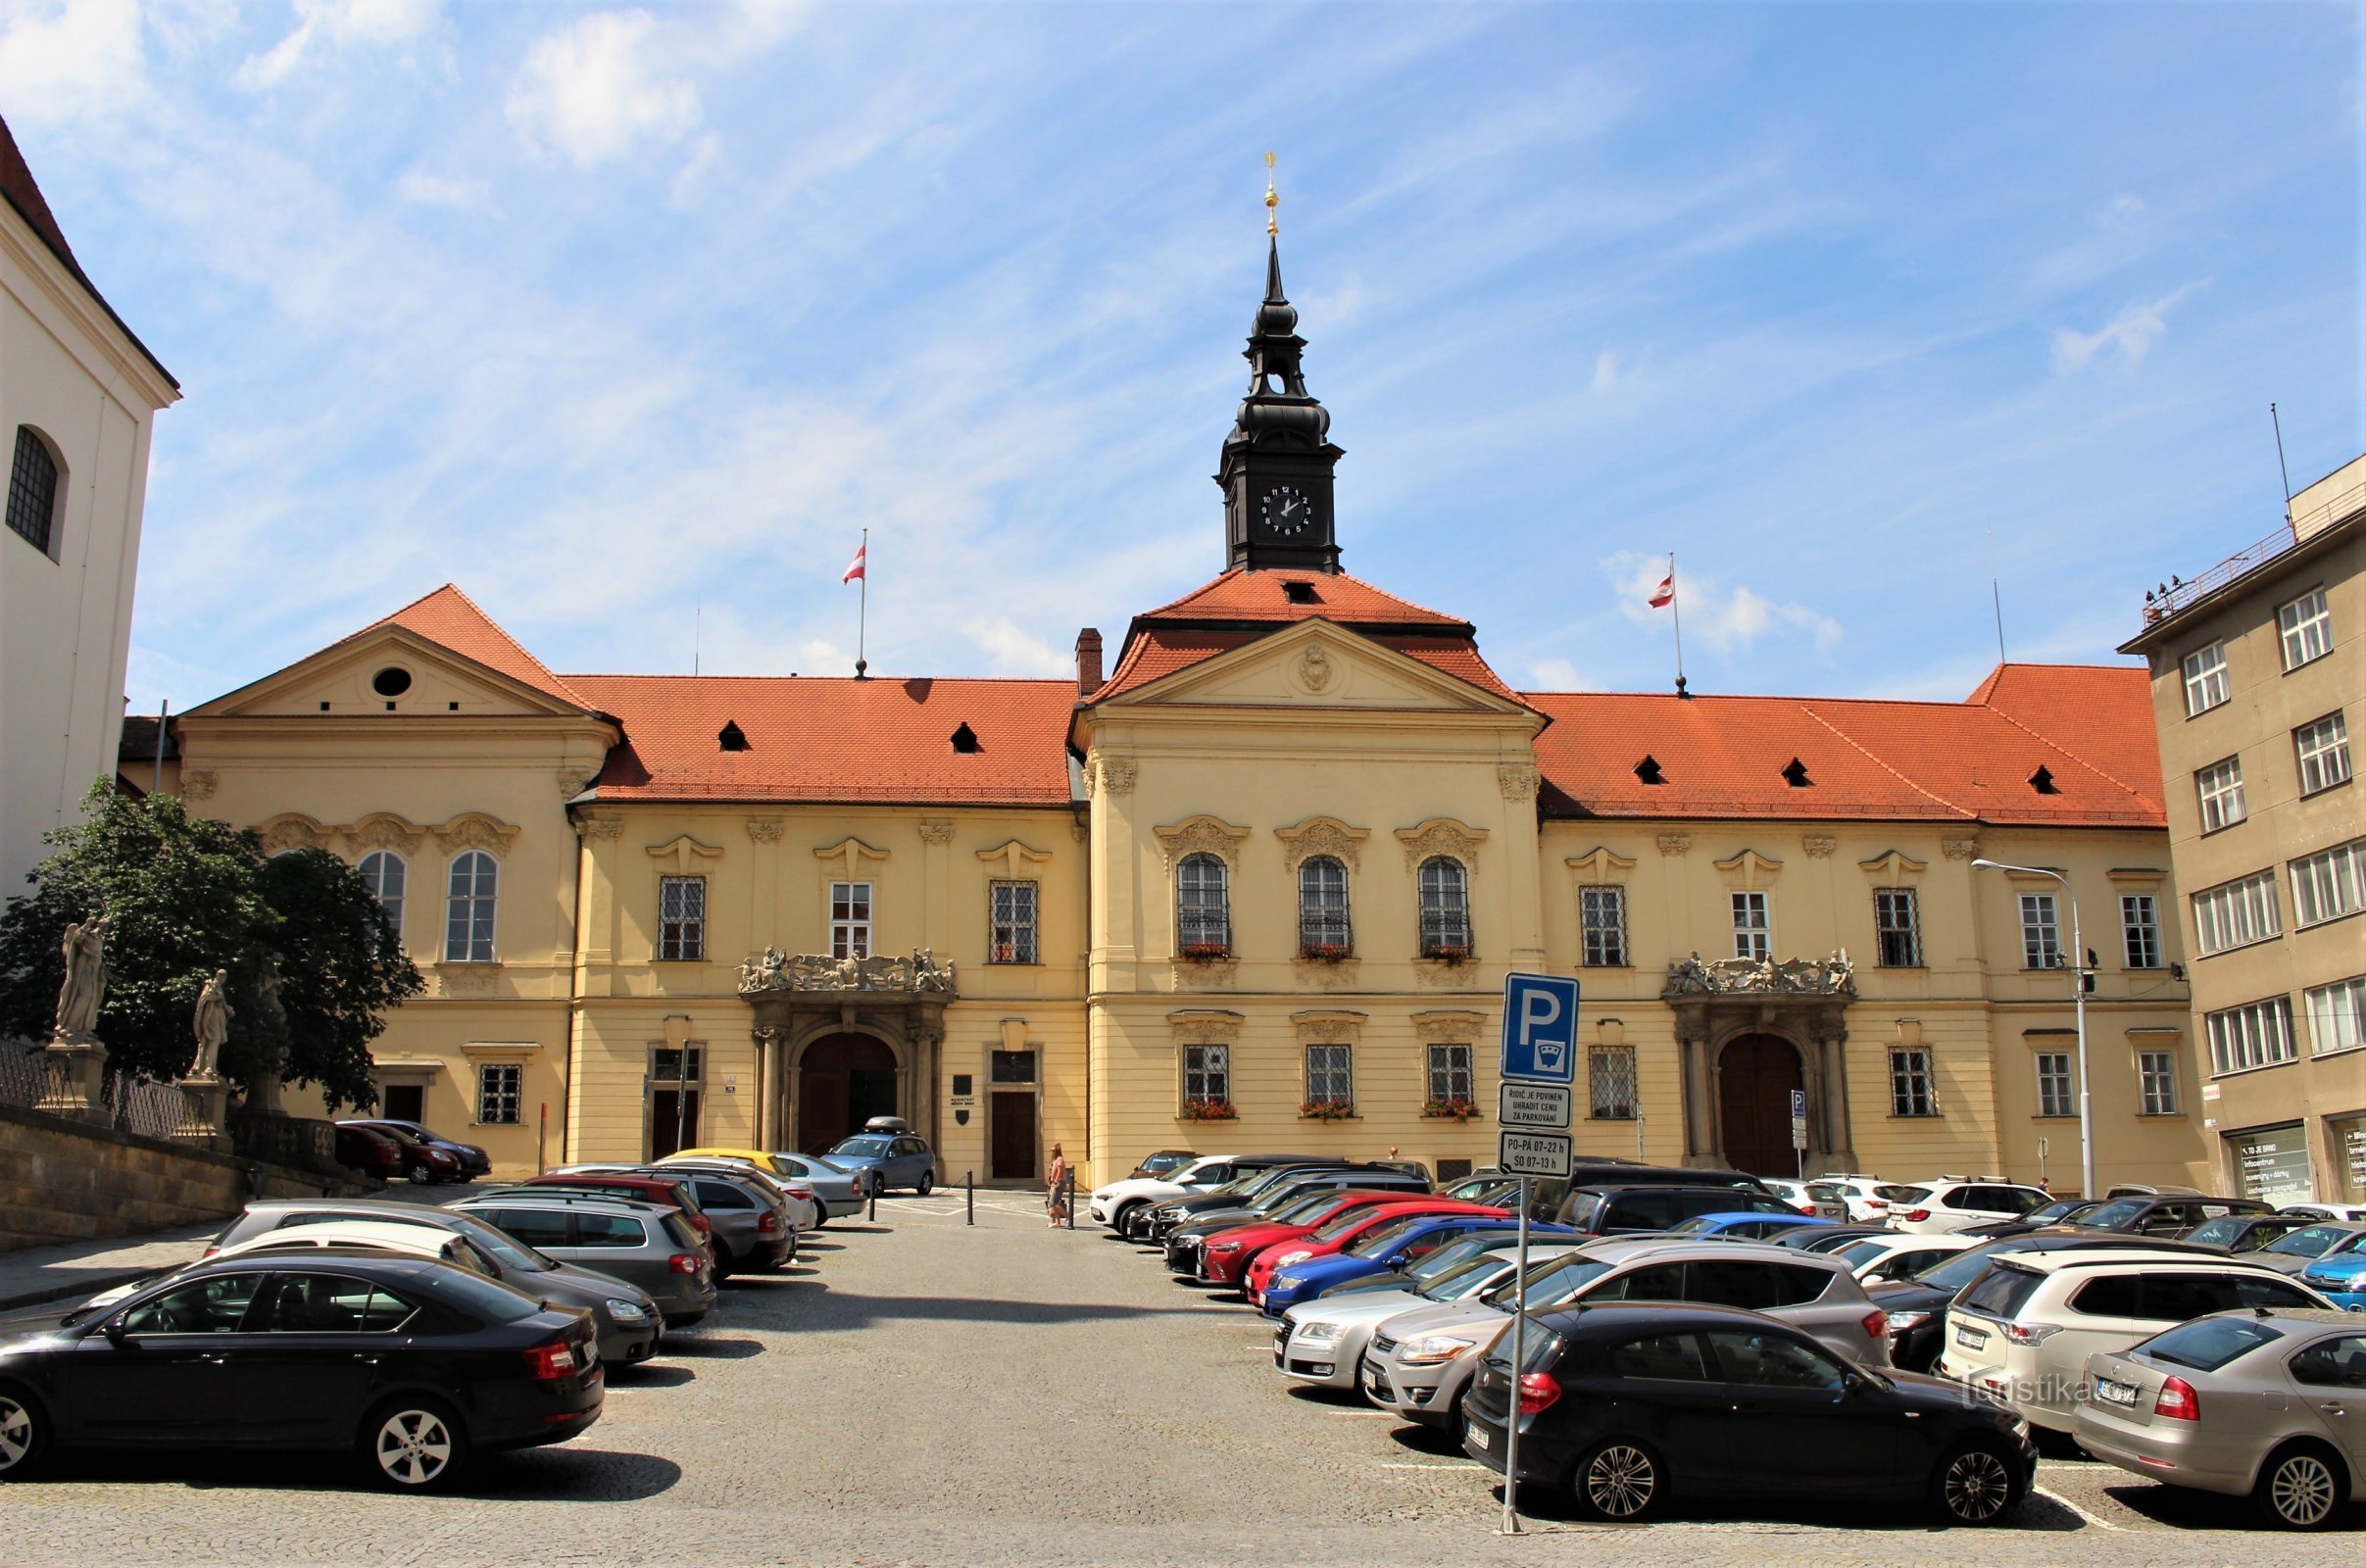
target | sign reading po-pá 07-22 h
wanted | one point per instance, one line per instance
(1540, 1028)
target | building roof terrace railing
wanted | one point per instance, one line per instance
(2185, 593)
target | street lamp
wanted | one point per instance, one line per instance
(2078, 993)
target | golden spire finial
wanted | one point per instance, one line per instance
(1272, 201)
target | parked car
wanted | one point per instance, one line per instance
(1393, 1218)
(895, 1159)
(1826, 1201)
(1950, 1202)
(2061, 1211)
(472, 1160)
(2268, 1404)
(422, 1164)
(2340, 1271)
(1162, 1162)
(1648, 1211)
(646, 1244)
(1252, 1179)
(414, 1364)
(2245, 1234)
(1623, 1407)
(1747, 1226)
(1277, 1192)
(1400, 1242)
(1227, 1255)
(1899, 1256)
(2293, 1250)
(1862, 1194)
(2023, 1331)
(2351, 1213)
(1113, 1203)
(647, 1186)
(746, 1224)
(1826, 1238)
(625, 1316)
(2166, 1217)
(367, 1151)
(836, 1190)
(1419, 1366)
(1415, 1275)
(801, 1209)
(1322, 1341)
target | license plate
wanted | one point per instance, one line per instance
(1971, 1338)
(2114, 1393)
(1479, 1439)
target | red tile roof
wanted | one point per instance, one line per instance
(451, 620)
(835, 739)
(2100, 712)
(18, 186)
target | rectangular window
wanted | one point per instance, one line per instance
(1752, 937)
(1897, 932)
(2206, 679)
(2157, 1082)
(498, 1097)
(2235, 914)
(2307, 627)
(2057, 1094)
(2328, 884)
(2219, 787)
(2258, 1034)
(1010, 916)
(2322, 750)
(1910, 1083)
(2337, 1016)
(1208, 1075)
(1601, 915)
(1610, 1080)
(2140, 929)
(1330, 1075)
(1449, 1075)
(2041, 932)
(850, 919)
(682, 918)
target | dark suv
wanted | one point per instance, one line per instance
(2166, 1216)
(1639, 1210)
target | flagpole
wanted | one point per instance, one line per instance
(1676, 608)
(863, 610)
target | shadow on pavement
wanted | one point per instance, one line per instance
(819, 1308)
(691, 1346)
(1554, 1505)
(650, 1375)
(572, 1474)
(2188, 1508)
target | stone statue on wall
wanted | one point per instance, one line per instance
(776, 970)
(213, 1025)
(85, 984)
(1795, 977)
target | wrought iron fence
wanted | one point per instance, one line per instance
(145, 1106)
(23, 1074)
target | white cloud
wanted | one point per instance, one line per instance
(1606, 370)
(692, 179)
(423, 189)
(1015, 652)
(69, 59)
(589, 90)
(1727, 620)
(2125, 339)
(1555, 676)
(338, 23)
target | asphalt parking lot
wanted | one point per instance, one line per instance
(922, 1392)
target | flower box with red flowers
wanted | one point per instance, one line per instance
(1325, 952)
(1327, 1110)
(1207, 951)
(1450, 1109)
(1447, 952)
(1208, 1110)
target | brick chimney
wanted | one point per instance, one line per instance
(1088, 662)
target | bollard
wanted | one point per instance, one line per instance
(874, 1215)
(969, 1186)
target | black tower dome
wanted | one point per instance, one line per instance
(1277, 462)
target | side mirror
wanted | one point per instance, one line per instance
(117, 1331)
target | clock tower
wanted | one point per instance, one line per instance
(1277, 462)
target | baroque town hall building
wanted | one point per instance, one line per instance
(1255, 885)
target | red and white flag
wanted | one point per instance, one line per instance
(1665, 594)
(854, 568)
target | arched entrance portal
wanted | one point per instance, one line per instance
(1755, 1076)
(842, 1081)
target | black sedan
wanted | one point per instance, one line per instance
(411, 1362)
(1919, 1307)
(1624, 1406)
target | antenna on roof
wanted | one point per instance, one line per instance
(2277, 420)
(698, 612)
(1995, 594)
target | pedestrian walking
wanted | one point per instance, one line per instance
(1056, 1199)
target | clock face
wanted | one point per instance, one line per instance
(1286, 511)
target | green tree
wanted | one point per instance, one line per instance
(184, 897)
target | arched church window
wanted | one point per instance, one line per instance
(1444, 909)
(1323, 929)
(468, 909)
(33, 490)
(384, 874)
(1203, 907)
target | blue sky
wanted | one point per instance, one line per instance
(625, 317)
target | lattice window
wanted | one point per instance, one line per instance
(1323, 927)
(1011, 923)
(500, 1094)
(1601, 915)
(1896, 928)
(1444, 887)
(682, 918)
(1203, 906)
(33, 490)
(1610, 1082)
(1910, 1083)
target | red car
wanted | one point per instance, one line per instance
(1228, 1253)
(1260, 1273)
(648, 1189)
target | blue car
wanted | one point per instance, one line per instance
(1398, 1245)
(2341, 1273)
(896, 1159)
(1737, 1226)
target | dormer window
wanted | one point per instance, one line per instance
(1647, 771)
(965, 741)
(1795, 775)
(2043, 781)
(731, 738)
(1300, 593)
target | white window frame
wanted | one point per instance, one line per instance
(1753, 924)
(2041, 932)
(500, 1088)
(2207, 684)
(2057, 1084)
(1330, 1074)
(681, 919)
(1888, 903)
(2257, 1033)
(1611, 1090)
(1012, 913)
(2337, 1016)
(2218, 789)
(2304, 626)
(390, 900)
(1601, 924)
(2321, 752)
(2328, 884)
(2157, 1083)
(478, 909)
(851, 912)
(2237, 913)
(1912, 1091)
(2140, 930)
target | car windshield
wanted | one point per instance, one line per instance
(2216, 1232)
(1954, 1273)
(1451, 1256)
(2314, 1242)
(1380, 1238)
(1860, 1253)
(513, 1253)
(2113, 1215)
(2062, 1208)
(1555, 1279)
(1471, 1278)
(862, 1148)
(811, 1164)
(483, 1297)
(2209, 1342)
(1305, 1210)
(1338, 1224)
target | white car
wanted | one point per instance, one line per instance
(1951, 1202)
(1322, 1341)
(1862, 1194)
(419, 1241)
(1898, 1256)
(1108, 1205)
(1821, 1198)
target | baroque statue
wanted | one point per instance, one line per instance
(776, 970)
(1797, 977)
(85, 984)
(213, 1025)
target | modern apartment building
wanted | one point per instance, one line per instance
(2259, 681)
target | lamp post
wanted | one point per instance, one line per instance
(2077, 996)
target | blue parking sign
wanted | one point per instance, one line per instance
(1540, 1028)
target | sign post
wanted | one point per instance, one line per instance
(1539, 1069)
(1798, 1129)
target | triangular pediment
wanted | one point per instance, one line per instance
(1316, 664)
(347, 679)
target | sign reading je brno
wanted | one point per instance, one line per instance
(1539, 1065)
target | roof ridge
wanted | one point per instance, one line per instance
(523, 652)
(1854, 743)
(868, 680)
(2094, 768)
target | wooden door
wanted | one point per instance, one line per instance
(1014, 1152)
(673, 1122)
(1755, 1079)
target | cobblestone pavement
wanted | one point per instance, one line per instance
(922, 1392)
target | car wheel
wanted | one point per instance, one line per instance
(1973, 1486)
(417, 1173)
(822, 1213)
(2302, 1488)
(927, 1184)
(413, 1444)
(1618, 1479)
(24, 1433)
(722, 1262)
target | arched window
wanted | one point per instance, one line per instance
(1323, 931)
(32, 489)
(385, 875)
(1203, 911)
(1444, 909)
(468, 909)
